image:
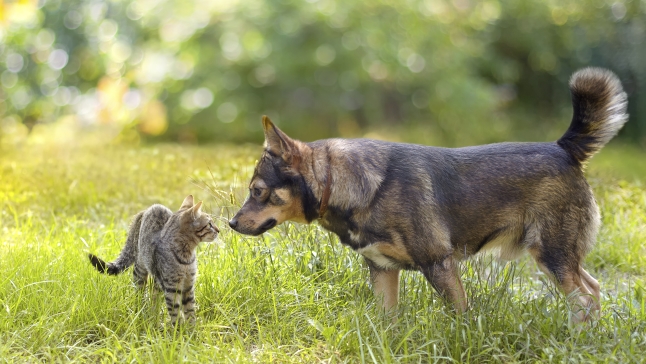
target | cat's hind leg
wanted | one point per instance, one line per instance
(139, 275)
(188, 304)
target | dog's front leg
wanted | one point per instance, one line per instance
(444, 276)
(385, 285)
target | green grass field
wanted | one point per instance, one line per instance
(294, 294)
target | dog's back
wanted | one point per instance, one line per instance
(501, 195)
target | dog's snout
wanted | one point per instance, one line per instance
(233, 223)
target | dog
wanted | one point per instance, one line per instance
(413, 207)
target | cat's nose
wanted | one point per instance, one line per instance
(233, 223)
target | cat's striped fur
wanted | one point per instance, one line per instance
(162, 244)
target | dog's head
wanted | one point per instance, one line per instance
(277, 191)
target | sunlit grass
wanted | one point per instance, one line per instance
(293, 295)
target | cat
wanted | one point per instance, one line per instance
(162, 244)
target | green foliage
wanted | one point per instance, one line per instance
(461, 72)
(294, 294)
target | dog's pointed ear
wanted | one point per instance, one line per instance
(188, 202)
(277, 142)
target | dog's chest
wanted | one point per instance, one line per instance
(383, 251)
(388, 256)
(343, 228)
(378, 258)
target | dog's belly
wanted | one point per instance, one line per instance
(387, 256)
(506, 246)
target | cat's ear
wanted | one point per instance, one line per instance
(188, 202)
(277, 142)
(197, 209)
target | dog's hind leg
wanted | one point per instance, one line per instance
(592, 285)
(444, 276)
(580, 288)
(385, 285)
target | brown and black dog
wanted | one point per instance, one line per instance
(405, 206)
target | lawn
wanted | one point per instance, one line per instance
(294, 294)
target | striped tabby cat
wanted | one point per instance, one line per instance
(162, 244)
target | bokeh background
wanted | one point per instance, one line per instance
(444, 72)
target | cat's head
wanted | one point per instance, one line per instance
(195, 223)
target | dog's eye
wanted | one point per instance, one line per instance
(257, 192)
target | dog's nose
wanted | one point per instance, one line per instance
(233, 223)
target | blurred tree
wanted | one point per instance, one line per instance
(537, 46)
(452, 71)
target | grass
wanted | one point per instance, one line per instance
(294, 294)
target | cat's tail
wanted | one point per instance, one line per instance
(128, 254)
(102, 266)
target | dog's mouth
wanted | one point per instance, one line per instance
(266, 226)
(248, 229)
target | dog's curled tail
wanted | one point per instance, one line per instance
(599, 104)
